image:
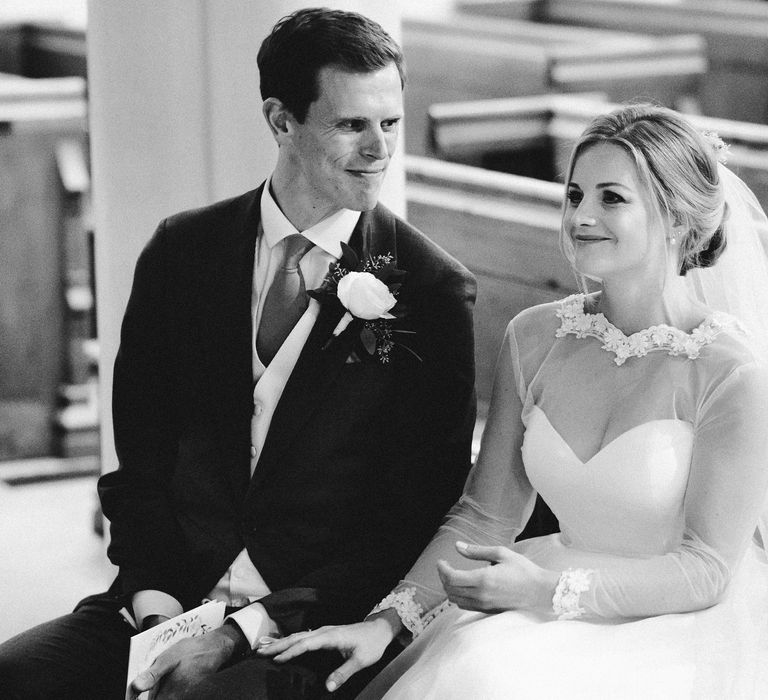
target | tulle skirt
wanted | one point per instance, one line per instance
(720, 653)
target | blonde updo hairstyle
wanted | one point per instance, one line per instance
(678, 167)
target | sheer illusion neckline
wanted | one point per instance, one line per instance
(673, 341)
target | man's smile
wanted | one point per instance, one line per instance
(366, 173)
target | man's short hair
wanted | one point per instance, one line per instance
(302, 43)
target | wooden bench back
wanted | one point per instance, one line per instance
(502, 227)
(736, 35)
(534, 136)
(459, 58)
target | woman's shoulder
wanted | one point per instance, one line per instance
(538, 319)
(731, 372)
(531, 335)
(729, 341)
(730, 353)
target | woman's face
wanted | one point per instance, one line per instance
(609, 217)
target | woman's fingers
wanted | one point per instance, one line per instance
(300, 643)
(494, 554)
(270, 646)
(361, 644)
(343, 673)
(458, 578)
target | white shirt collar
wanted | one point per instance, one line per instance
(327, 234)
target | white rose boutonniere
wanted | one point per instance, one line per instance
(367, 290)
(364, 297)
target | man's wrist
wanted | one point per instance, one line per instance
(240, 646)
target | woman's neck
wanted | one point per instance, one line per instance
(635, 308)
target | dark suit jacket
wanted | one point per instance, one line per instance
(361, 460)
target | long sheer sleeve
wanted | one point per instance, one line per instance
(724, 497)
(494, 507)
(727, 477)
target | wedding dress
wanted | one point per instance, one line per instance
(652, 452)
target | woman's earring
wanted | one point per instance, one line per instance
(672, 240)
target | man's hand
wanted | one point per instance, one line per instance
(361, 644)
(180, 667)
(512, 582)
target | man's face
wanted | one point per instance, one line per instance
(339, 155)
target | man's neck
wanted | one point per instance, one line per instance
(296, 204)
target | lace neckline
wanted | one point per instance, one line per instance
(574, 320)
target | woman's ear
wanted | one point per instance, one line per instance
(278, 118)
(680, 224)
(678, 228)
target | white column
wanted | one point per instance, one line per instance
(175, 122)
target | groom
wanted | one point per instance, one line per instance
(271, 456)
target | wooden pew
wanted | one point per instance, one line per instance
(35, 115)
(533, 136)
(736, 34)
(42, 50)
(502, 227)
(505, 229)
(40, 101)
(463, 57)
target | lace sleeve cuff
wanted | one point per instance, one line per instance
(572, 583)
(403, 602)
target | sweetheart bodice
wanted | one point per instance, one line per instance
(627, 498)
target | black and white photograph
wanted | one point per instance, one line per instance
(384, 350)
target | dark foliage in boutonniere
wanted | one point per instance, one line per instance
(367, 289)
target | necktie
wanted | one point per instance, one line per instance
(286, 299)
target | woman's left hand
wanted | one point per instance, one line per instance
(511, 582)
(361, 644)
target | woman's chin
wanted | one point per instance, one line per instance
(589, 270)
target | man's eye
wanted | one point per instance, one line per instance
(390, 124)
(352, 124)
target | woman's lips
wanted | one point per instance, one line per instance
(590, 239)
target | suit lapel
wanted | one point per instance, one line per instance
(318, 367)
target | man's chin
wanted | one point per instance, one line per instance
(364, 203)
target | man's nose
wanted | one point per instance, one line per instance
(376, 144)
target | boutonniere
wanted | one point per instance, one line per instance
(367, 289)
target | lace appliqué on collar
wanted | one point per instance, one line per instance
(668, 338)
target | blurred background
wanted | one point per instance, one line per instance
(113, 117)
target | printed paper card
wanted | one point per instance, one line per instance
(148, 645)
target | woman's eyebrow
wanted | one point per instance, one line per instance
(611, 184)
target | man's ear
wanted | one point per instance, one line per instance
(278, 118)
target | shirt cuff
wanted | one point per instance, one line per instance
(254, 622)
(151, 602)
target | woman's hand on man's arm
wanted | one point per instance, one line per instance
(361, 644)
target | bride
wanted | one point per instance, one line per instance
(640, 414)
